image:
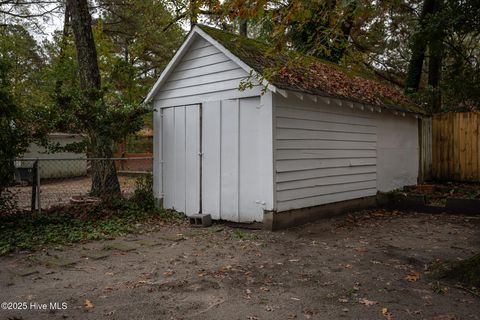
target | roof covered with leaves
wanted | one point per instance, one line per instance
(310, 75)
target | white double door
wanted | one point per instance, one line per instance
(211, 156)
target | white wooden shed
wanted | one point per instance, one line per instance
(313, 135)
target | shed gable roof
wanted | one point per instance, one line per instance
(307, 75)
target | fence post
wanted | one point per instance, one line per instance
(39, 203)
(34, 185)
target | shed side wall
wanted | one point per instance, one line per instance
(328, 153)
(398, 151)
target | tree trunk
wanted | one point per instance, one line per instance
(193, 13)
(346, 28)
(85, 45)
(243, 28)
(418, 47)
(104, 175)
(435, 48)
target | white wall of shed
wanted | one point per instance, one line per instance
(204, 73)
(397, 151)
(327, 153)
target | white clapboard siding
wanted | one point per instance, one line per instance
(309, 124)
(302, 134)
(200, 52)
(326, 181)
(335, 187)
(324, 199)
(303, 175)
(201, 73)
(308, 164)
(324, 144)
(322, 155)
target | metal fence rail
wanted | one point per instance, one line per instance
(43, 183)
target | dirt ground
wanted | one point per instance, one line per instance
(370, 265)
(55, 192)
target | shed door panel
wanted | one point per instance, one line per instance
(181, 147)
(211, 158)
(231, 185)
(250, 184)
(229, 160)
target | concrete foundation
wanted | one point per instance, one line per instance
(280, 220)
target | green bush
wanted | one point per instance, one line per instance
(143, 195)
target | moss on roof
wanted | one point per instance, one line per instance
(297, 72)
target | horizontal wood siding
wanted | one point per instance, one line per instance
(203, 72)
(322, 156)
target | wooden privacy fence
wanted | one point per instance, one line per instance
(455, 146)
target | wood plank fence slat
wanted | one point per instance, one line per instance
(455, 147)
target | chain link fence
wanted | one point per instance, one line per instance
(41, 184)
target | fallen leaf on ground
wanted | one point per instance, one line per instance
(225, 268)
(361, 249)
(413, 276)
(88, 304)
(367, 302)
(387, 314)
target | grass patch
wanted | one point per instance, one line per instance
(466, 272)
(27, 231)
(243, 235)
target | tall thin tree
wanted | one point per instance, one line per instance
(104, 176)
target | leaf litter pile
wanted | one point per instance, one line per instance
(366, 265)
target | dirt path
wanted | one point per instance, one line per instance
(345, 268)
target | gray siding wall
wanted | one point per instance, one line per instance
(322, 154)
(204, 73)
